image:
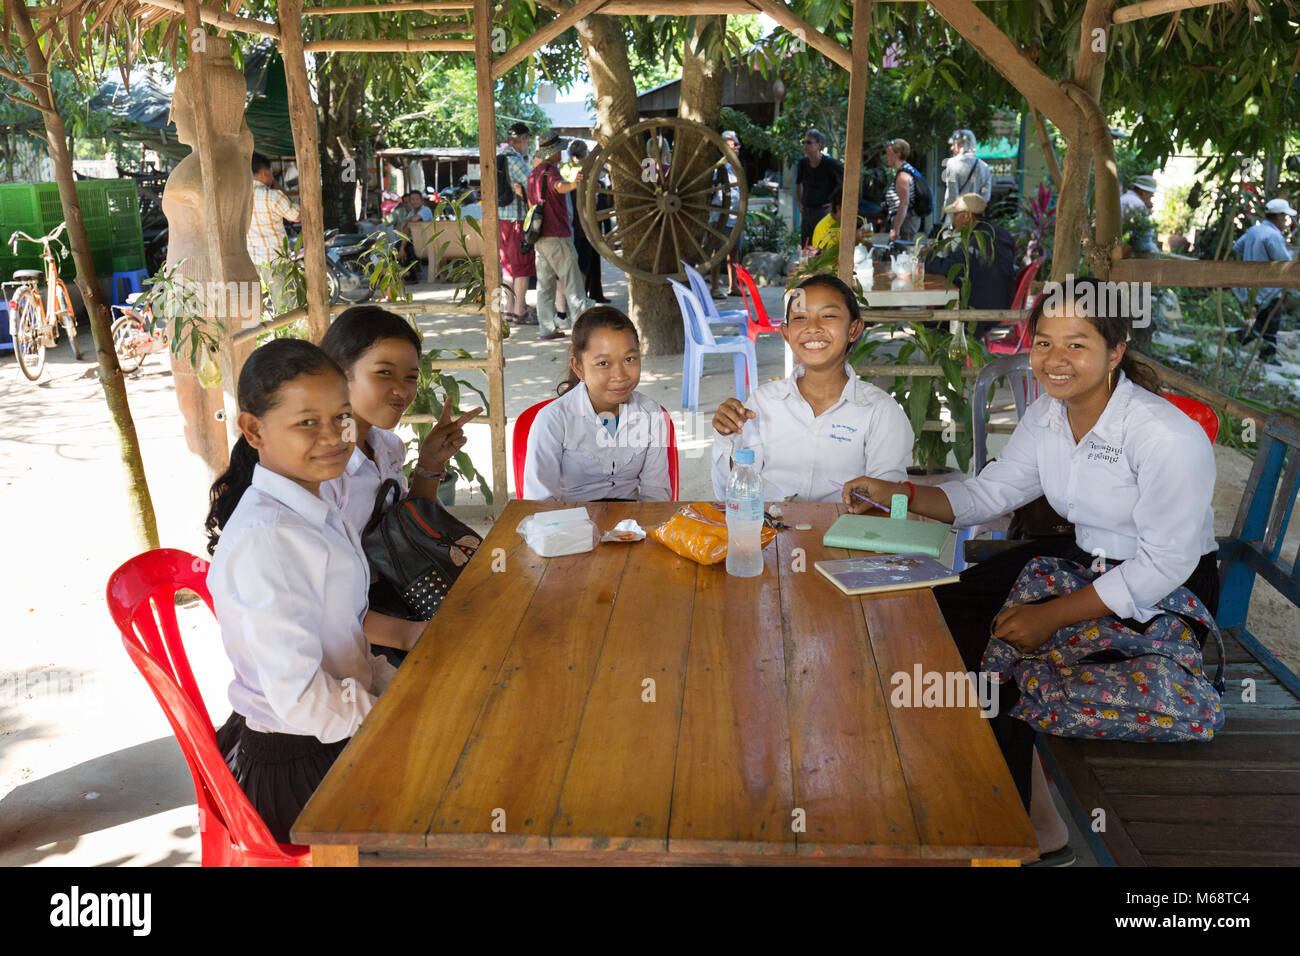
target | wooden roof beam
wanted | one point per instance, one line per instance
(1207, 273)
(216, 18)
(423, 6)
(1040, 90)
(778, 11)
(390, 46)
(523, 50)
(1154, 8)
(677, 8)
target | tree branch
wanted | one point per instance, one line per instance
(20, 80)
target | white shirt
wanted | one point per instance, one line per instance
(866, 432)
(573, 457)
(1138, 487)
(289, 584)
(354, 491)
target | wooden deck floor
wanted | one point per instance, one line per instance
(1232, 802)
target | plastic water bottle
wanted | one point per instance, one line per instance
(744, 517)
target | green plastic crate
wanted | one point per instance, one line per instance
(129, 261)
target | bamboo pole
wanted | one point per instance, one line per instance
(218, 18)
(1208, 273)
(1049, 151)
(677, 8)
(306, 147)
(386, 46)
(1154, 8)
(906, 316)
(487, 142)
(778, 11)
(852, 186)
(521, 51)
(426, 6)
(1040, 90)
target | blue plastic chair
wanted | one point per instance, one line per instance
(711, 314)
(6, 342)
(701, 341)
(124, 283)
(1024, 388)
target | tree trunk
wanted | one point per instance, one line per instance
(110, 373)
(651, 305)
(340, 88)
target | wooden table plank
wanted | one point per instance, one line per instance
(732, 793)
(841, 739)
(618, 791)
(964, 800)
(518, 752)
(421, 722)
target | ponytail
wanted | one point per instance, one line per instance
(1139, 372)
(228, 489)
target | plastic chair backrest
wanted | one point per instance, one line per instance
(1198, 412)
(700, 286)
(1020, 299)
(758, 314)
(693, 316)
(1024, 389)
(524, 424)
(141, 599)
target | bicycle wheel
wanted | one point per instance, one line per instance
(63, 313)
(29, 344)
(126, 331)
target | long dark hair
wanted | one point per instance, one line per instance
(598, 317)
(266, 371)
(831, 282)
(1110, 315)
(360, 327)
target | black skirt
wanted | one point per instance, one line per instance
(277, 772)
(970, 605)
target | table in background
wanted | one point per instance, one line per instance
(526, 703)
(934, 292)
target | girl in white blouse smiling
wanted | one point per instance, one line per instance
(823, 424)
(1132, 472)
(601, 440)
(289, 581)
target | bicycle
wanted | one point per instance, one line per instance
(134, 333)
(33, 328)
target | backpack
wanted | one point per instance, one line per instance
(1104, 679)
(922, 200)
(505, 189)
(533, 222)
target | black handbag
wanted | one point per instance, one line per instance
(416, 550)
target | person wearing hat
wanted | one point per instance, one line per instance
(1265, 242)
(991, 271)
(964, 172)
(557, 259)
(517, 267)
(1138, 198)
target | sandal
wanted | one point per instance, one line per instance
(1062, 857)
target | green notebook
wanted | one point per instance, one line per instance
(887, 535)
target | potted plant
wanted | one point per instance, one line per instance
(436, 385)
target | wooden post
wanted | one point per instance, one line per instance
(487, 146)
(196, 42)
(853, 138)
(306, 145)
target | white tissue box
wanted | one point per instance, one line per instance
(552, 534)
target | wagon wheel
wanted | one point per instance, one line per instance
(671, 198)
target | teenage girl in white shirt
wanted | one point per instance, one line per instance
(289, 583)
(823, 424)
(1129, 469)
(601, 440)
(379, 352)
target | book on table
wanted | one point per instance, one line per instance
(885, 572)
(887, 535)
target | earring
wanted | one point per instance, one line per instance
(1110, 380)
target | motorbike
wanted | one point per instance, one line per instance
(345, 266)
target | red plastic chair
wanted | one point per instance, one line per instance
(1200, 413)
(1014, 338)
(758, 317)
(141, 599)
(524, 424)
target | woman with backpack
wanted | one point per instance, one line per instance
(909, 199)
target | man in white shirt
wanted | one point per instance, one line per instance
(1265, 242)
(964, 172)
(266, 232)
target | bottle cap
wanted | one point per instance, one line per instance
(744, 457)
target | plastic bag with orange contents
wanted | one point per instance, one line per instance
(699, 532)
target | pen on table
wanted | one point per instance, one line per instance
(858, 494)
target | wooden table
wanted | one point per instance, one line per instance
(628, 706)
(933, 292)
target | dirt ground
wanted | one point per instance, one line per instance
(90, 773)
